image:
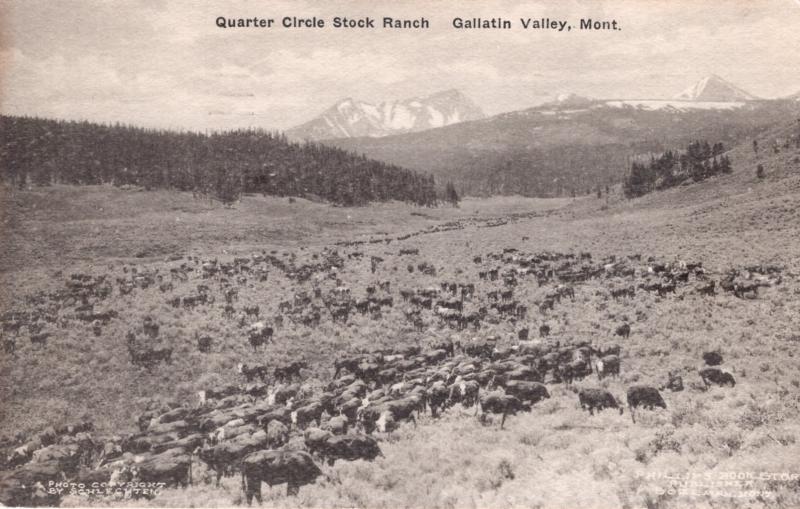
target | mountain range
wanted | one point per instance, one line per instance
(350, 118)
(566, 146)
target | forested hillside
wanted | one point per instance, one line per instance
(222, 165)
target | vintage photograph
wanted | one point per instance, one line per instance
(400, 254)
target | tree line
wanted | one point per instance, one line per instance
(699, 161)
(222, 165)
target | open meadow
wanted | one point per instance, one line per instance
(98, 282)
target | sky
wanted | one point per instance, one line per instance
(166, 64)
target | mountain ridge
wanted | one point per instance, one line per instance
(352, 118)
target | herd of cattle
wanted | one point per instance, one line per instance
(271, 428)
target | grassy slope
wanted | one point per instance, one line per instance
(558, 457)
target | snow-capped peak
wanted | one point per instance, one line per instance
(352, 118)
(714, 88)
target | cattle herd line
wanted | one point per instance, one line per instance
(269, 427)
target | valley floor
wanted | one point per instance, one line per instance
(554, 456)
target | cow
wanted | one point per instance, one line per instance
(295, 468)
(349, 448)
(227, 455)
(281, 394)
(437, 395)
(716, 376)
(575, 369)
(204, 343)
(25, 486)
(598, 399)
(623, 330)
(465, 392)
(277, 434)
(312, 412)
(497, 402)
(527, 392)
(258, 334)
(645, 397)
(607, 365)
(250, 373)
(712, 358)
(544, 330)
(337, 424)
(289, 371)
(172, 468)
(40, 339)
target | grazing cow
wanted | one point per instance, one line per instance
(349, 448)
(258, 334)
(645, 397)
(225, 456)
(716, 376)
(25, 486)
(712, 358)
(527, 392)
(497, 402)
(304, 415)
(295, 468)
(40, 339)
(251, 373)
(623, 330)
(289, 371)
(314, 439)
(607, 365)
(174, 469)
(598, 399)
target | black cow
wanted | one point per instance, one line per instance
(527, 392)
(437, 395)
(172, 467)
(204, 343)
(497, 402)
(349, 447)
(624, 330)
(597, 399)
(712, 358)
(252, 372)
(716, 376)
(645, 397)
(295, 468)
(289, 371)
